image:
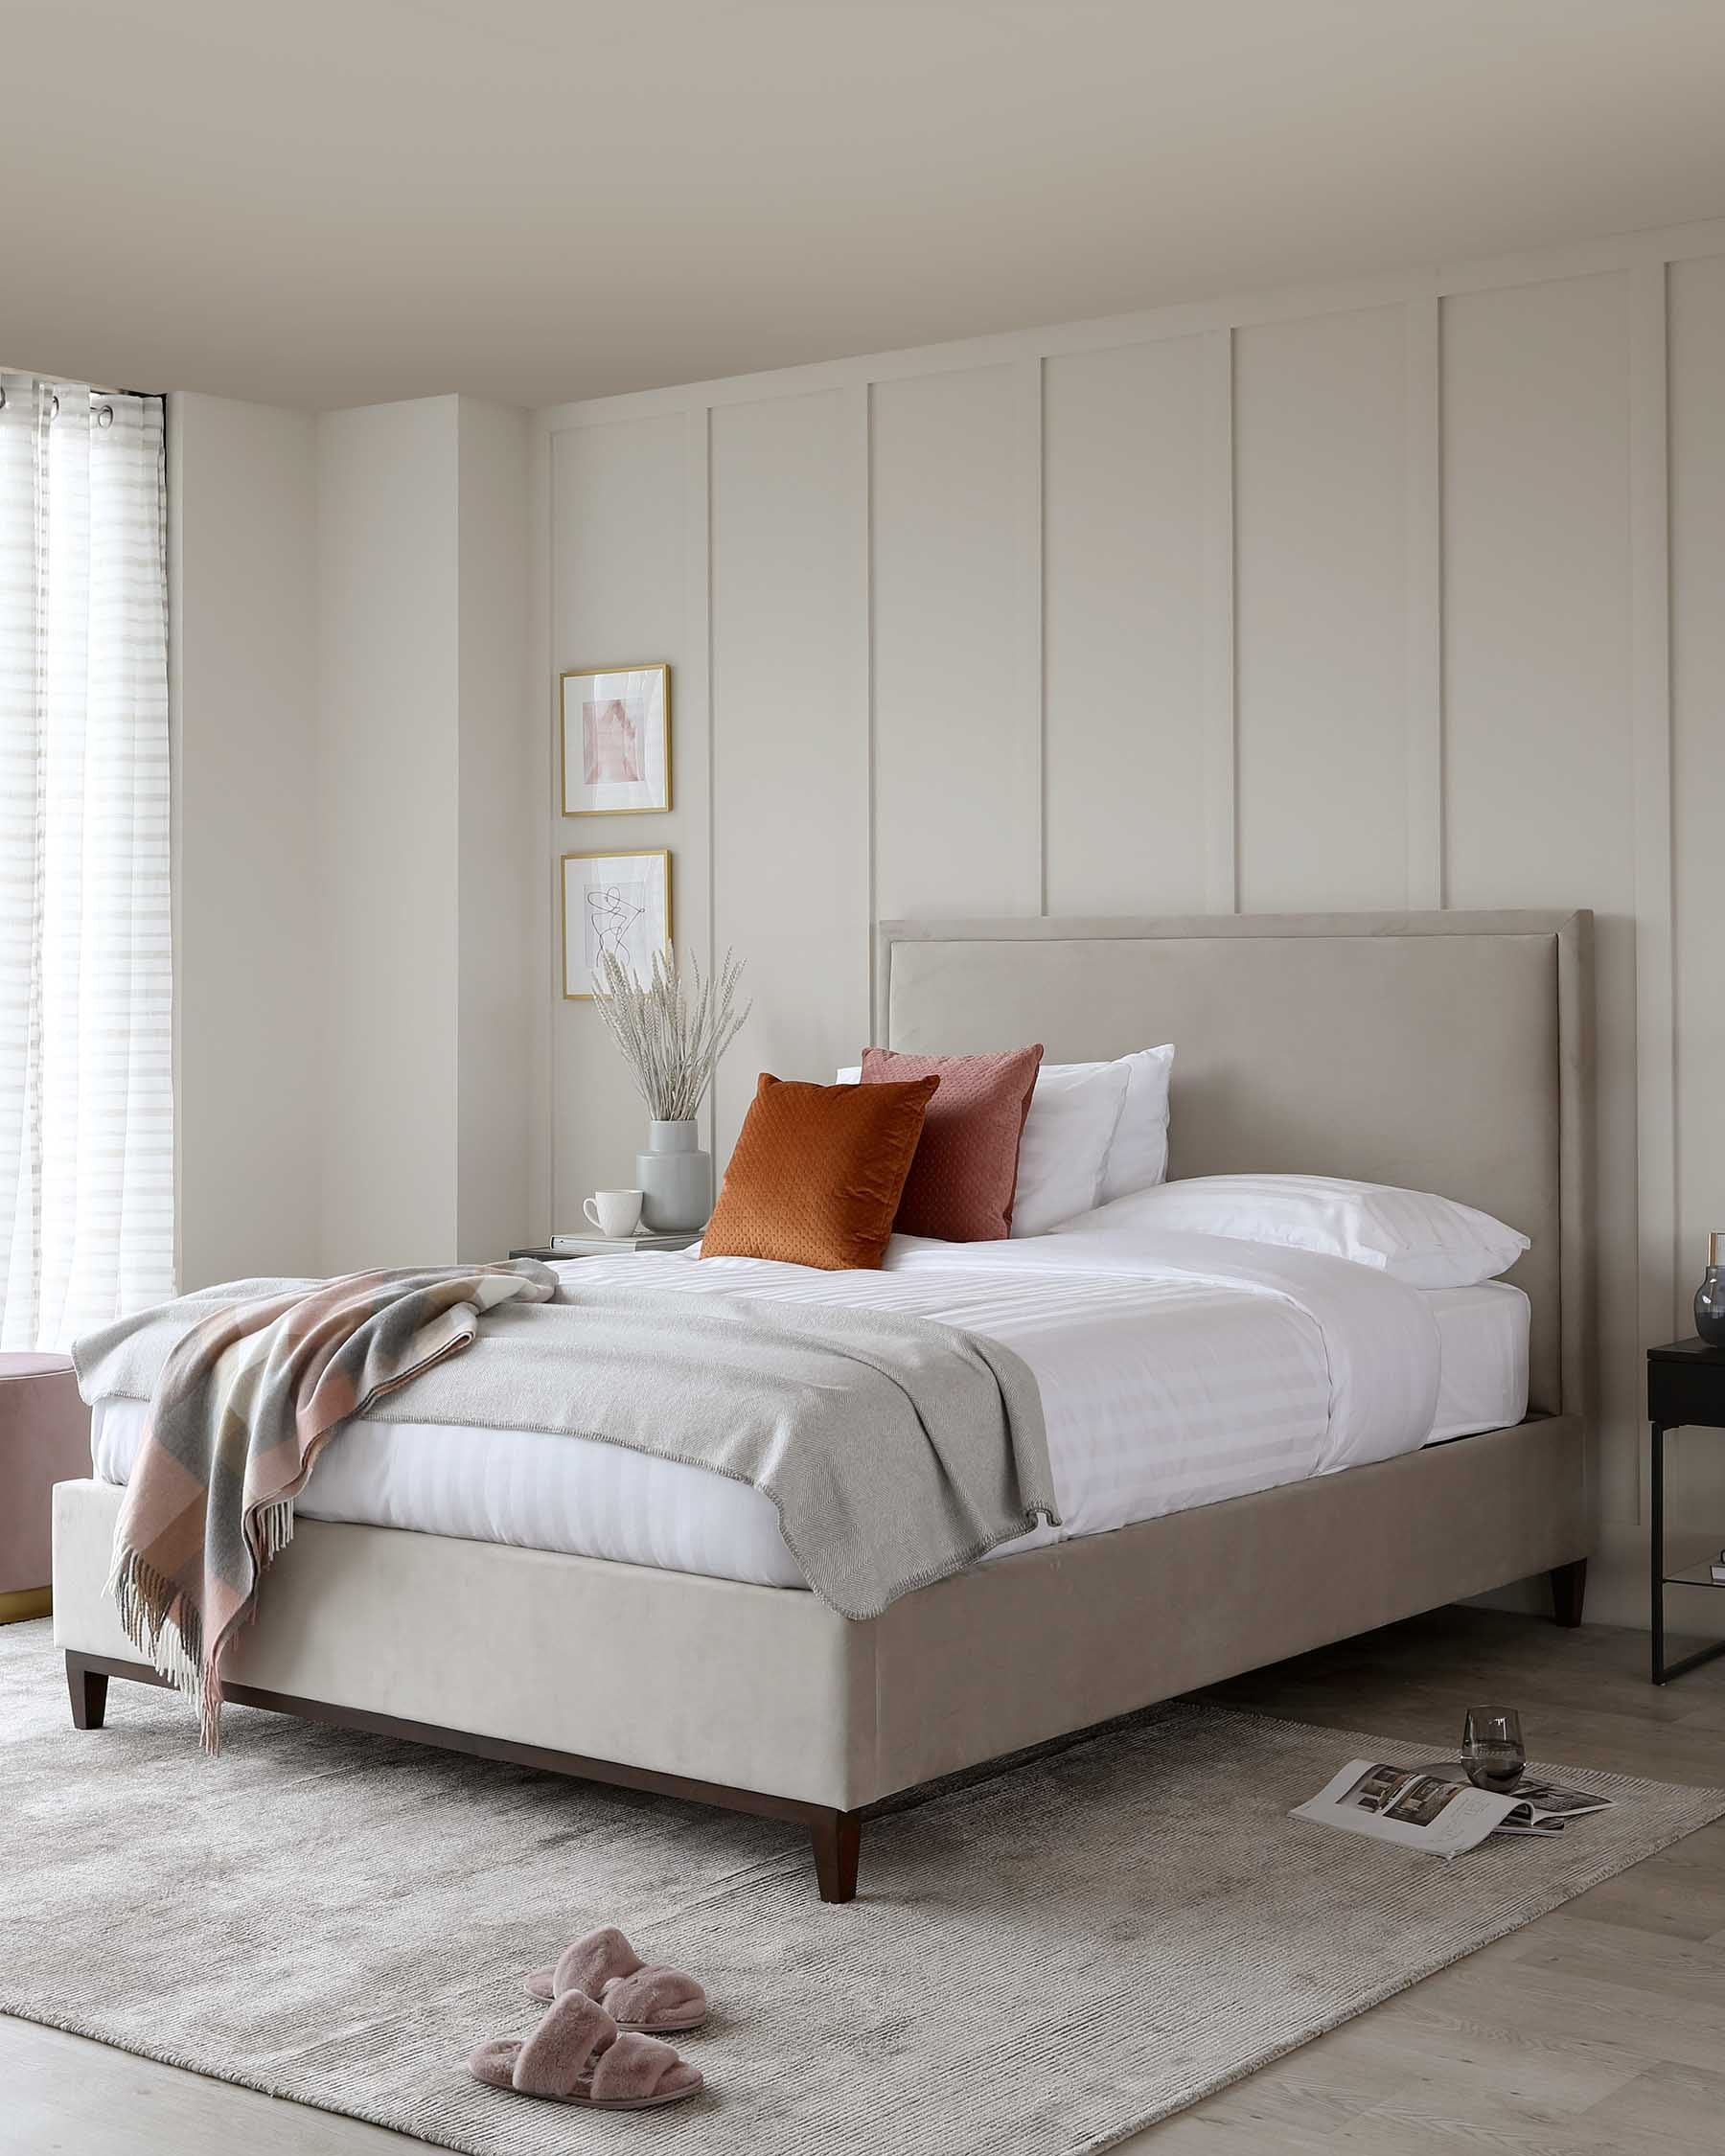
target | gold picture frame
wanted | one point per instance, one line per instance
(615, 741)
(629, 921)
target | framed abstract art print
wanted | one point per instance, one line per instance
(617, 740)
(613, 903)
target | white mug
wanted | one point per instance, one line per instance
(613, 1212)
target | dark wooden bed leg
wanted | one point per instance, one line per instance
(1568, 1588)
(88, 1689)
(838, 1840)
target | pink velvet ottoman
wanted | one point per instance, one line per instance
(44, 1439)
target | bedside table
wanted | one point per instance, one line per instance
(1685, 1386)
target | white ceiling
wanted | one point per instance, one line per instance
(338, 201)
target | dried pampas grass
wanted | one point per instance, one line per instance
(670, 1039)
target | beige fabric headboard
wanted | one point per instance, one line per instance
(1441, 1052)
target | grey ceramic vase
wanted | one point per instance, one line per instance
(1710, 1295)
(676, 1179)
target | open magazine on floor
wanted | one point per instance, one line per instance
(1438, 1809)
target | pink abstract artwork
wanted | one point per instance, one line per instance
(610, 742)
(617, 740)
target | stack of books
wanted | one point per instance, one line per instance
(591, 1245)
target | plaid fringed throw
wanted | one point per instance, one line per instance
(244, 1403)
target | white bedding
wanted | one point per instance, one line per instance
(1175, 1370)
(1483, 1357)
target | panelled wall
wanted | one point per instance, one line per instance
(1399, 595)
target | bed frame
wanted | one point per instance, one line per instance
(1444, 1052)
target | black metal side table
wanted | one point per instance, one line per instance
(1685, 1385)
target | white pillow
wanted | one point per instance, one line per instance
(1138, 1158)
(1075, 1112)
(1426, 1241)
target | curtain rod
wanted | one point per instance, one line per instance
(97, 388)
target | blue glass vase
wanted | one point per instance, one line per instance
(1710, 1295)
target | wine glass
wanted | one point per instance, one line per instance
(1492, 1749)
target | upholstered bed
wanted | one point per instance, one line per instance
(1448, 1052)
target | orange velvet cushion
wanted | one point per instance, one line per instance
(962, 1183)
(817, 1173)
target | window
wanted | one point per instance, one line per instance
(87, 1105)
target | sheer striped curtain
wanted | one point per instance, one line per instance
(86, 1104)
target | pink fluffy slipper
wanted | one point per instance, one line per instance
(637, 1994)
(578, 2055)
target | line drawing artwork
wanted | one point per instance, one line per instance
(611, 915)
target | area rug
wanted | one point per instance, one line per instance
(1043, 1959)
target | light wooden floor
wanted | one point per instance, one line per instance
(1600, 2028)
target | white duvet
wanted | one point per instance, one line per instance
(1176, 1370)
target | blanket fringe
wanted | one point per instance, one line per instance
(166, 1627)
(274, 1529)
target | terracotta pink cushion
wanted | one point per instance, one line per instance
(964, 1174)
